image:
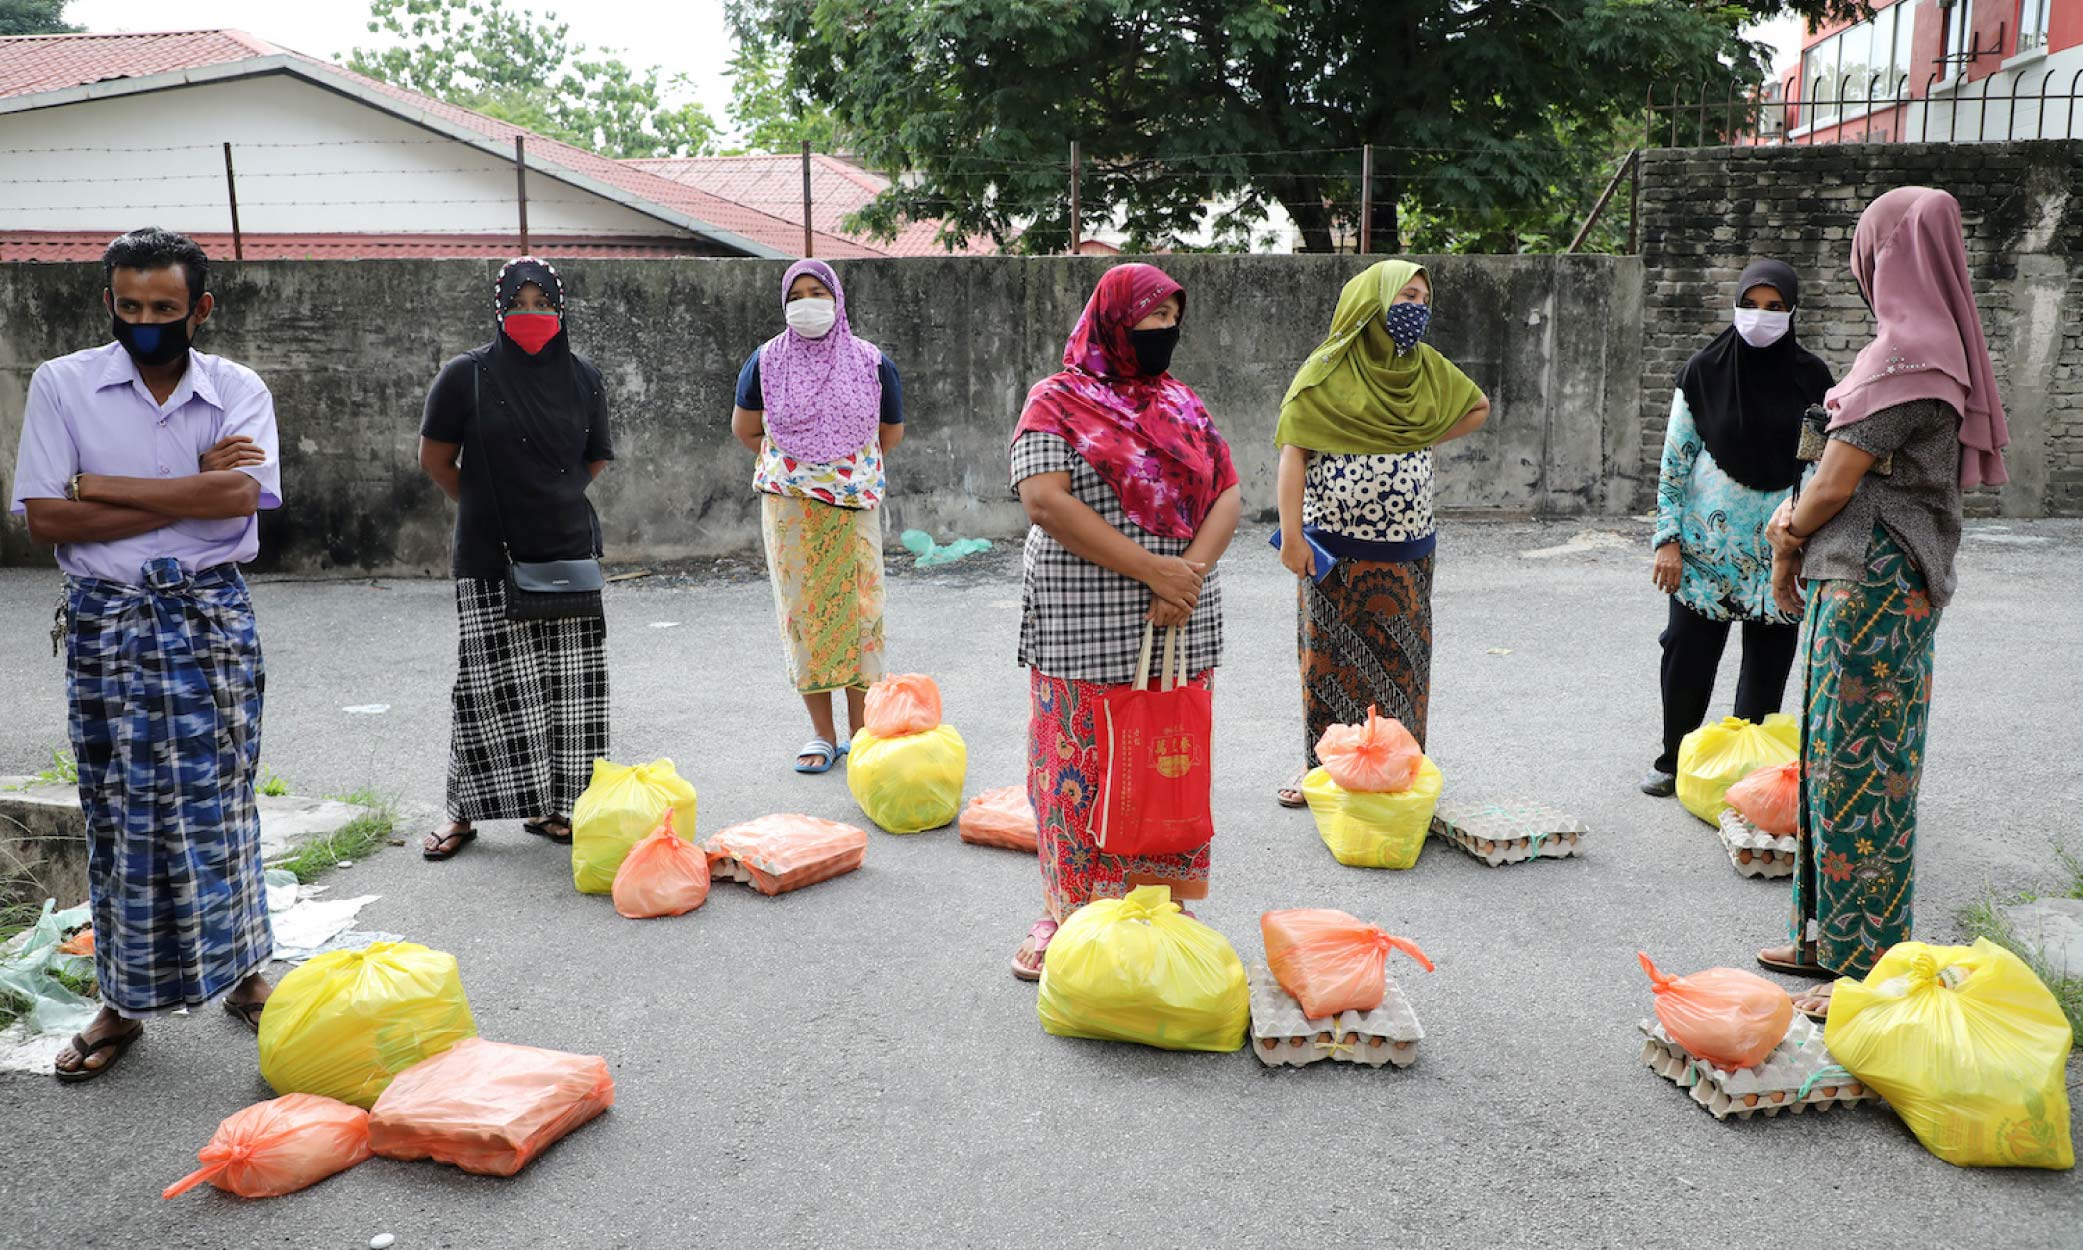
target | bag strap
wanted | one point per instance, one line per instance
(1142, 681)
(1173, 660)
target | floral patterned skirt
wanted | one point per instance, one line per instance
(826, 563)
(1867, 704)
(1366, 641)
(1066, 768)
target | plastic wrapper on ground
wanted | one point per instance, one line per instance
(776, 854)
(489, 1107)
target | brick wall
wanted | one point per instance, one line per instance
(1707, 212)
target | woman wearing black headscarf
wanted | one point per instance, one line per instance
(1728, 461)
(514, 432)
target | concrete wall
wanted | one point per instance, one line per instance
(1707, 212)
(349, 349)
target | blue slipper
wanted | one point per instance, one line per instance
(826, 753)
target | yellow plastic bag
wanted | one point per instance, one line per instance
(1714, 757)
(1135, 970)
(1967, 1046)
(621, 805)
(1374, 830)
(346, 1022)
(908, 784)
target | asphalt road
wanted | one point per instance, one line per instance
(852, 1065)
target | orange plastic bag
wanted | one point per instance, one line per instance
(788, 852)
(279, 1146)
(1769, 798)
(663, 875)
(488, 1107)
(1330, 961)
(1379, 757)
(1000, 818)
(81, 943)
(906, 704)
(1729, 1017)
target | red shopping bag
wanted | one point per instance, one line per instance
(1155, 797)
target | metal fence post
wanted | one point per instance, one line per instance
(231, 191)
(809, 246)
(521, 187)
(1366, 199)
(1075, 224)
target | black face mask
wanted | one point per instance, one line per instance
(159, 343)
(1154, 349)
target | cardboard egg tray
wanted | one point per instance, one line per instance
(1509, 831)
(1281, 1036)
(1767, 1089)
(1754, 852)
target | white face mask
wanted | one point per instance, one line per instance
(1760, 328)
(812, 318)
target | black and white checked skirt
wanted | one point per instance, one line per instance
(530, 709)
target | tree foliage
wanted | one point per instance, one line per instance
(510, 64)
(1492, 120)
(34, 17)
(768, 114)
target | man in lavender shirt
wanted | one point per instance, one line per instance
(145, 462)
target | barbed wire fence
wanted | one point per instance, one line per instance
(418, 186)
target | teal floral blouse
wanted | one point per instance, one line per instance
(1719, 525)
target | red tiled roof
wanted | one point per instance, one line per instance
(52, 62)
(87, 245)
(773, 184)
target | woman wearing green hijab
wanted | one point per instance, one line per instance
(1356, 435)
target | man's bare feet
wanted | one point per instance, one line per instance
(97, 1046)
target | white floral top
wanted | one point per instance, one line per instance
(856, 481)
(1370, 498)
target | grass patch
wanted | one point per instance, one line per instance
(1985, 918)
(62, 770)
(357, 839)
(274, 786)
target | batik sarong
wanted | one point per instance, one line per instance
(1867, 702)
(826, 565)
(1366, 641)
(165, 686)
(1066, 773)
(530, 709)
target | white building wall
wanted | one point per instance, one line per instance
(308, 160)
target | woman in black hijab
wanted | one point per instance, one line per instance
(514, 432)
(1728, 460)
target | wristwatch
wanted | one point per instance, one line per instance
(72, 488)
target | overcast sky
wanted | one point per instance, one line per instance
(683, 36)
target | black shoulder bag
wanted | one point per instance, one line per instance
(540, 590)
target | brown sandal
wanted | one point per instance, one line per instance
(1290, 795)
(118, 1044)
(556, 828)
(1793, 967)
(1822, 1015)
(247, 1014)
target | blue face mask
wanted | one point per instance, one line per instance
(1407, 322)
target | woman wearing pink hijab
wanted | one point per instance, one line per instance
(1873, 536)
(820, 408)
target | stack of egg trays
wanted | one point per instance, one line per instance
(1754, 852)
(1281, 1036)
(1781, 1083)
(1509, 831)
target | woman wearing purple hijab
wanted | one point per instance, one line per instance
(820, 408)
(1873, 536)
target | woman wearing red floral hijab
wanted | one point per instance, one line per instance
(1133, 499)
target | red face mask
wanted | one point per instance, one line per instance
(531, 331)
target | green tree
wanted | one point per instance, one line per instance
(768, 114)
(1486, 115)
(510, 64)
(34, 17)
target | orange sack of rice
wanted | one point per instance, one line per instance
(902, 705)
(279, 1146)
(1769, 798)
(788, 852)
(1729, 1017)
(1379, 757)
(488, 1107)
(664, 874)
(1329, 960)
(1000, 818)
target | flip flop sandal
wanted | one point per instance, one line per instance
(454, 841)
(1820, 1017)
(824, 751)
(1293, 787)
(1038, 937)
(120, 1043)
(247, 1014)
(1794, 968)
(544, 829)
